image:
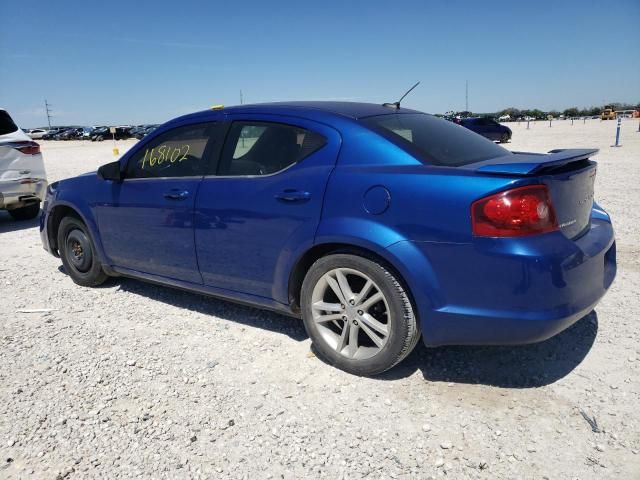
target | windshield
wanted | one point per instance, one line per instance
(434, 140)
(6, 123)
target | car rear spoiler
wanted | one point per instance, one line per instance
(525, 163)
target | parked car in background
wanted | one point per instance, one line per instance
(36, 133)
(375, 224)
(145, 131)
(51, 133)
(133, 131)
(69, 134)
(23, 181)
(488, 128)
(104, 133)
(85, 133)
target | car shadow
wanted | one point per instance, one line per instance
(8, 224)
(521, 366)
(234, 312)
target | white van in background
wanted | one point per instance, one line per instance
(23, 181)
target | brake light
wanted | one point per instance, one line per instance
(514, 213)
(28, 148)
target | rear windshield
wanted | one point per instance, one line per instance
(434, 140)
(6, 124)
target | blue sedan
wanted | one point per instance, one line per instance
(488, 128)
(375, 224)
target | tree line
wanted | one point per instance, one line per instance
(569, 112)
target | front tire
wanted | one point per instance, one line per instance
(77, 252)
(504, 138)
(25, 213)
(357, 314)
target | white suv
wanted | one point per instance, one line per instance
(37, 133)
(23, 181)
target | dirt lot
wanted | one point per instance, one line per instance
(135, 380)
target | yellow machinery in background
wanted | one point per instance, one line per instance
(608, 113)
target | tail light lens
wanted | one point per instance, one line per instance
(28, 148)
(514, 213)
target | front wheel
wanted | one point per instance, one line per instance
(504, 138)
(77, 252)
(25, 213)
(357, 314)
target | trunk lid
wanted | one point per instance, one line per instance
(569, 175)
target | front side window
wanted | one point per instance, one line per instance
(433, 140)
(263, 148)
(180, 152)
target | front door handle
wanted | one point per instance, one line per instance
(291, 195)
(176, 194)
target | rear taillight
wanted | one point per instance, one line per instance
(28, 148)
(514, 213)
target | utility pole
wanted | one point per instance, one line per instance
(46, 107)
(466, 95)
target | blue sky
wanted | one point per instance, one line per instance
(148, 61)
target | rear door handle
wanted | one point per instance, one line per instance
(176, 194)
(291, 195)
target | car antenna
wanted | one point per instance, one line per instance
(396, 105)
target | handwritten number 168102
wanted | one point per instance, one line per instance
(164, 154)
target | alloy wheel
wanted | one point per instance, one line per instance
(351, 313)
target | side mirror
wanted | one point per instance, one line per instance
(110, 171)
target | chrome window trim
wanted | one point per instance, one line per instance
(262, 176)
(161, 178)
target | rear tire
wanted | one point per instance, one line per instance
(77, 252)
(25, 213)
(351, 329)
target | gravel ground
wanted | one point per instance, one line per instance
(134, 380)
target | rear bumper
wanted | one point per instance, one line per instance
(22, 192)
(510, 291)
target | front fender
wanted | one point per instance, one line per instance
(82, 210)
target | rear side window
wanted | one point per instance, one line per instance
(6, 123)
(263, 148)
(433, 140)
(179, 152)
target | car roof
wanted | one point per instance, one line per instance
(312, 109)
(346, 109)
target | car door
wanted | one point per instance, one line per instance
(146, 225)
(494, 130)
(264, 200)
(479, 126)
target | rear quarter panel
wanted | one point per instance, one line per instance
(426, 203)
(428, 210)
